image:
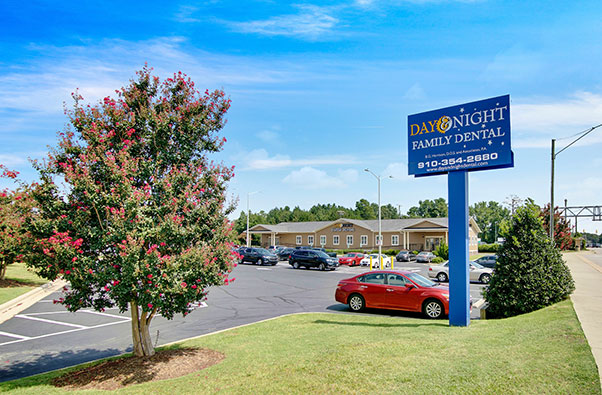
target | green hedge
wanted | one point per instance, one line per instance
(489, 247)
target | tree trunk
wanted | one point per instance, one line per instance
(2, 269)
(143, 346)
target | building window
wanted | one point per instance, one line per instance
(310, 240)
(363, 240)
(323, 240)
(299, 240)
(376, 240)
(335, 240)
(349, 240)
(395, 240)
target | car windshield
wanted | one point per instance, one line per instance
(263, 251)
(473, 263)
(418, 279)
(350, 255)
(322, 254)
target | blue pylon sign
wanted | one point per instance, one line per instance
(454, 141)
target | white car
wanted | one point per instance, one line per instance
(476, 272)
(375, 261)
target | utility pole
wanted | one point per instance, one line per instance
(554, 155)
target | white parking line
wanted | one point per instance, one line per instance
(105, 314)
(27, 317)
(13, 335)
(63, 332)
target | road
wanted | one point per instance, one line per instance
(45, 336)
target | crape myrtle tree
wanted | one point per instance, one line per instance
(530, 273)
(562, 228)
(15, 206)
(140, 223)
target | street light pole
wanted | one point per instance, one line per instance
(551, 222)
(380, 236)
(554, 155)
(248, 215)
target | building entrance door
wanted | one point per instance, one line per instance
(432, 243)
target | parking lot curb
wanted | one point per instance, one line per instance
(20, 303)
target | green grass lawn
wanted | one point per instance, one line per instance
(541, 352)
(26, 280)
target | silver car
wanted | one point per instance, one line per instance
(476, 272)
(425, 256)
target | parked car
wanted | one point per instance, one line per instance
(425, 256)
(311, 258)
(351, 259)
(397, 290)
(285, 253)
(375, 260)
(256, 255)
(487, 261)
(476, 272)
(405, 256)
(330, 254)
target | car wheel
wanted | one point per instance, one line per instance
(433, 309)
(296, 265)
(260, 261)
(442, 277)
(274, 264)
(356, 302)
(485, 278)
(322, 267)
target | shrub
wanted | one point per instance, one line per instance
(442, 251)
(438, 259)
(530, 273)
(489, 247)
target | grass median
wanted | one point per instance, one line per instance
(17, 281)
(540, 352)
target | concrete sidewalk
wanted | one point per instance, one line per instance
(587, 298)
(9, 309)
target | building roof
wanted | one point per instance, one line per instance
(388, 225)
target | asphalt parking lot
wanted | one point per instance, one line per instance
(46, 337)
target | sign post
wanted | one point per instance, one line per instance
(455, 140)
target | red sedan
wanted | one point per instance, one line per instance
(397, 290)
(351, 259)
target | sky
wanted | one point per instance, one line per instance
(322, 90)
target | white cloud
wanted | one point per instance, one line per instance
(310, 178)
(415, 93)
(10, 160)
(259, 159)
(398, 170)
(348, 176)
(535, 124)
(312, 22)
(269, 136)
(97, 69)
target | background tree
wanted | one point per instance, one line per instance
(142, 224)
(529, 273)
(489, 216)
(15, 206)
(429, 209)
(562, 228)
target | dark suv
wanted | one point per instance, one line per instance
(257, 255)
(330, 254)
(312, 258)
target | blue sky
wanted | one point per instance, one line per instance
(322, 90)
